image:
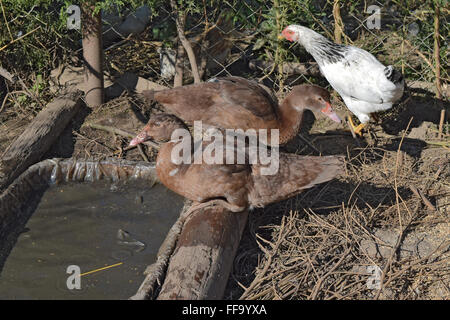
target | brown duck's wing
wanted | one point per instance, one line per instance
(249, 95)
(295, 173)
(229, 102)
(207, 182)
(203, 182)
(189, 102)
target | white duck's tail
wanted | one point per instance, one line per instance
(393, 75)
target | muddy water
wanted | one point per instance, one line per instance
(90, 225)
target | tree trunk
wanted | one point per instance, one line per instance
(92, 55)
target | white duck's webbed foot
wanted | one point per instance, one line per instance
(355, 129)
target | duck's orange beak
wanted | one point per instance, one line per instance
(329, 112)
(141, 137)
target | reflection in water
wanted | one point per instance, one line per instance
(91, 225)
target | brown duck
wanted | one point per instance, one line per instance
(238, 103)
(235, 186)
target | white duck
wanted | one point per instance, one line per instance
(364, 83)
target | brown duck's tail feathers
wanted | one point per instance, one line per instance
(295, 173)
(149, 94)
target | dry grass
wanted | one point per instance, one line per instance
(321, 251)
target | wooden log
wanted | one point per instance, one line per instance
(38, 137)
(203, 258)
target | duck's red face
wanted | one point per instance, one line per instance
(141, 137)
(289, 34)
(314, 98)
(329, 112)
(158, 128)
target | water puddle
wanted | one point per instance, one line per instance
(90, 225)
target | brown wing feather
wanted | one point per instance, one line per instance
(295, 174)
(250, 96)
(229, 102)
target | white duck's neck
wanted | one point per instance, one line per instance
(322, 49)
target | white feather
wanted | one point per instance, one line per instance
(358, 76)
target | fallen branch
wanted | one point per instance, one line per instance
(419, 194)
(39, 136)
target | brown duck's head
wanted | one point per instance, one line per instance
(314, 98)
(159, 128)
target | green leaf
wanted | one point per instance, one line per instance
(259, 43)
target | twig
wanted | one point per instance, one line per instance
(143, 155)
(417, 51)
(186, 44)
(444, 144)
(6, 20)
(420, 195)
(15, 40)
(30, 93)
(4, 102)
(436, 52)
(278, 51)
(322, 278)
(320, 24)
(93, 140)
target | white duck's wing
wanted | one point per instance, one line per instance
(359, 75)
